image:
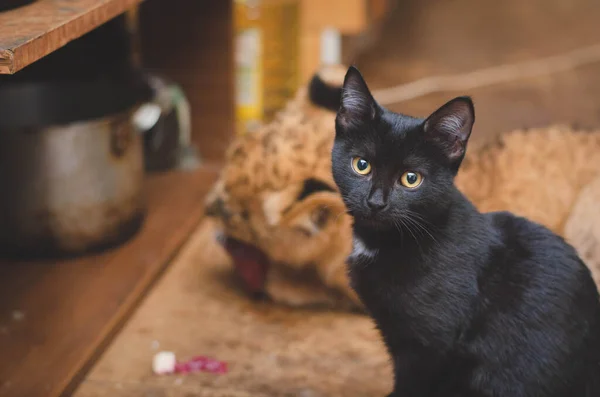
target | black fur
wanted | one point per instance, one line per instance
(468, 304)
(323, 94)
(311, 186)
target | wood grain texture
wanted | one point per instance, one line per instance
(191, 42)
(199, 308)
(318, 14)
(56, 317)
(31, 32)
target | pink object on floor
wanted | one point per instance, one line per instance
(165, 363)
(201, 364)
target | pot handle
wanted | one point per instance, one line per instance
(146, 116)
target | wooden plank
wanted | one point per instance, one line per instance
(33, 31)
(358, 17)
(317, 14)
(272, 350)
(310, 54)
(192, 43)
(57, 316)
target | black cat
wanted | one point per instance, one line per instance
(468, 304)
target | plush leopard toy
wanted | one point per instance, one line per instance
(284, 225)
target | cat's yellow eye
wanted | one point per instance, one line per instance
(411, 179)
(361, 166)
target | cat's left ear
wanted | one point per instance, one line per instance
(357, 104)
(449, 127)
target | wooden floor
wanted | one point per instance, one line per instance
(55, 317)
(271, 351)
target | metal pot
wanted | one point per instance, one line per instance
(68, 188)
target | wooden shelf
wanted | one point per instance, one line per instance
(57, 317)
(33, 31)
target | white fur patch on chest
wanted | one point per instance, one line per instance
(360, 251)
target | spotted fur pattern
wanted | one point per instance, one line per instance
(260, 197)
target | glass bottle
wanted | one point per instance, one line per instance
(266, 59)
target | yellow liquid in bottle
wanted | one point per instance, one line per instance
(267, 52)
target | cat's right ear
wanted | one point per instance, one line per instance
(357, 105)
(449, 128)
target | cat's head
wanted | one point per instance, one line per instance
(392, 168)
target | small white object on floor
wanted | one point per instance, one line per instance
(164, 363)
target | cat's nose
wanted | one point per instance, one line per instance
(376, 204)
(376, 200)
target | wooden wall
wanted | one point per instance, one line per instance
(191, 42)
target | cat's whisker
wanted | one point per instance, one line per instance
(422, 223)
(420, 217)
(399, 228)
(421, 226)
(407, 226)
(417, 228)
(489, 284)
